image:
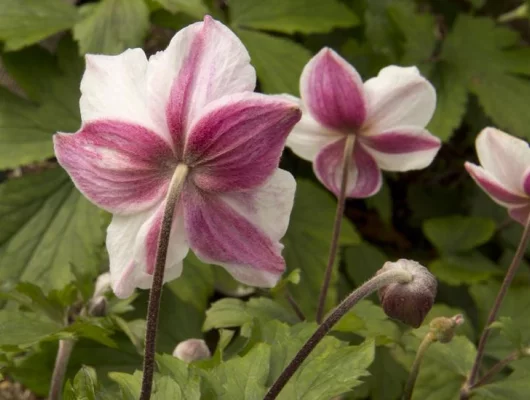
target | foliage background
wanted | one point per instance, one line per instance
(52, 239)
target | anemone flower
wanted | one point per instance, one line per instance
(504, 173)
(362, 128)
(187, 111)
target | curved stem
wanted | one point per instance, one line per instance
(59, 370)
(158, 279)
(514, 266)
(422, 349)
(497, 368)
(294, 305)
(374, 284)
(337, 224)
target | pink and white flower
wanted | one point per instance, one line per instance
(504, 173)
(191, 104)
(386, 115)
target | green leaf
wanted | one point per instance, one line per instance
(183, 374)
(476, 48)
(85, 383)
(307, 243)
(457, 269)
(510, 330)
(451, 100)
(516, 386)
(331, 369)
(22, 329)
(230, 313)
(363, 260)
(305, 16)
(24, 22)
(456, 233)
(111, 26)
(515, 308)
(244, 377)
(278, 61)
(129, 384)
(26, 129)
(47, 225)
(195, 8)
(166, 388)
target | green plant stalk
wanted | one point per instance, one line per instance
(512, 270)
(422, 349)
(369, 287)
(337, 225)
(155, 293)
(59, 370)
(497, 368)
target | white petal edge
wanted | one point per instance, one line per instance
(398, 96)
(227, 58)
(505, 157)
(114, 87)
(127, 275)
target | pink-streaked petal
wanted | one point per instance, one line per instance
(114, 88)
(499, 193)
(526, 182)
(402, 149)
(219, 235)
(121, 167)
(520, 214)
(308, 137)
(398, 97)
(505, 157)
(202, 63)
(145, 247)
(332, 91)
(125, 273)
(236, 144)
(364, 176)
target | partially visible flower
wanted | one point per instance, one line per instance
(102, 285)
(504, 173)
(411, 301)
(386, 115)
(444, 328)
(188, 108)
(192, 350)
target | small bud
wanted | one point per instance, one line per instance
(98, 306)
(192, 350)
(444, 328)
(411, 301)
(102, 284)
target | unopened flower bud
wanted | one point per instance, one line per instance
(98, 306)
(102, 284)
(411, 301)
(443, 328)
(192, 350)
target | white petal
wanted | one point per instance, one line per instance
(114, 88)
(504, 156)
(398, 96)
(308, 137)
(202, 63)
(126, 238)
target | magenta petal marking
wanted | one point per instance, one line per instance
(401, 142)
(526, 183)
(218, 233)
(520, 214)
(364, 176)
(238, 142)
(333, 92)
(493, 188)
(118, 166)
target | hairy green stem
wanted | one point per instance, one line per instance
(422, 349)
(514, 266)
(59, 370)
(374, 284)
(155, 294)
(337, 225)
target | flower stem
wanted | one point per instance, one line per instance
(374, 284)
(59, 370)
(294, 305)
(497, 368)
(422, 349)
(516, 261)
(337, 224)
(155, 294)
